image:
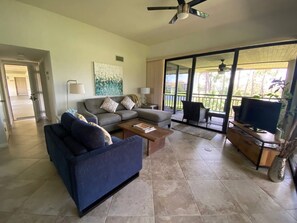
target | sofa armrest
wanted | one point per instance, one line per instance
(98, 172)
(81, 109)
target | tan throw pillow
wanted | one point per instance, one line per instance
(81, 117)
(127, 103)
(109, 105)
(107, 136)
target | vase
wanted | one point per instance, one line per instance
(276, 172)
(279, 134)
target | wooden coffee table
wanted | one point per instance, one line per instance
(156, 138)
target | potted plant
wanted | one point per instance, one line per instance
(276, 172)
(280, 85)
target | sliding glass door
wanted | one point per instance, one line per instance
(210, 87)
(176, 86)
(219, 80)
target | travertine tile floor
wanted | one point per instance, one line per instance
(182, 183)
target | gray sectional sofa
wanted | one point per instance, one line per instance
(90, 108)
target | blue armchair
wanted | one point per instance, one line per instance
(91, 170)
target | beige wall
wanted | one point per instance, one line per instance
(73, 47)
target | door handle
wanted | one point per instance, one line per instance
(2, 101)
(33, 98)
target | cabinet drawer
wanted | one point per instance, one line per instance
(244, 143)
(251, 146)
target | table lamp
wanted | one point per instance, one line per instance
(143, 92)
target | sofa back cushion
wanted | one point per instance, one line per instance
(59, 130)
(74, 146)
(118, 99)
(67, 119)
(90, 136)
(93, 104)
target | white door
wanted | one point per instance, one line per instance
(4, 134)
(36, 91)
(21, 85)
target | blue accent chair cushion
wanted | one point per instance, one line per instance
(90, 136)
(67, 119)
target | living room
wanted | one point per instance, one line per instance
(67, 49)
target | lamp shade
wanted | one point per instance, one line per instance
(76, 88)
(145, 90)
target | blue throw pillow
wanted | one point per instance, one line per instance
(90, 136)
(67, 119)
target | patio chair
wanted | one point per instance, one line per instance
(195, 111)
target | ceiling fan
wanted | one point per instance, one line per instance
(183, 10)
(223, 67)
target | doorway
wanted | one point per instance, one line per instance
(24, 90)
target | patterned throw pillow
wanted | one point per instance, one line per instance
(109, 105)
(128, 103)
(107, 136)
(81, 117)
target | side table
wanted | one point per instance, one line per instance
(151, 106)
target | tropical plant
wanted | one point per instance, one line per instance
(289, 145)
(281, 85)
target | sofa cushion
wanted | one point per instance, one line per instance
(75, 147)
(109, 105)
(126, 114)
(107, 136)
(128, 103)
(59, 130)
(67, 119)
(153, 115)
(93, 105)
(90, 136)
(108, 118)
(118, 99)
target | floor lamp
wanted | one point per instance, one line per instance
(72, 87)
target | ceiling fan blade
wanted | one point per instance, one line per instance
(173, 20)
(162, 8)
(181, 2)
(198, 13)
(195, 2)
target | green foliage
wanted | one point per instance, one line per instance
(257, 96)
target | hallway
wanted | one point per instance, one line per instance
(22, 107)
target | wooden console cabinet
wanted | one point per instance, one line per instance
(260, 148)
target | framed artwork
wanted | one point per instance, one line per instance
(108, 79)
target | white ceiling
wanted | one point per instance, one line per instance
(131, 19)
(258, 58)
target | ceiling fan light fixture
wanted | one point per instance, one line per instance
(222, 66)
(183, 11)
(182, 15)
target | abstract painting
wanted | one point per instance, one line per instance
(108, 79)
